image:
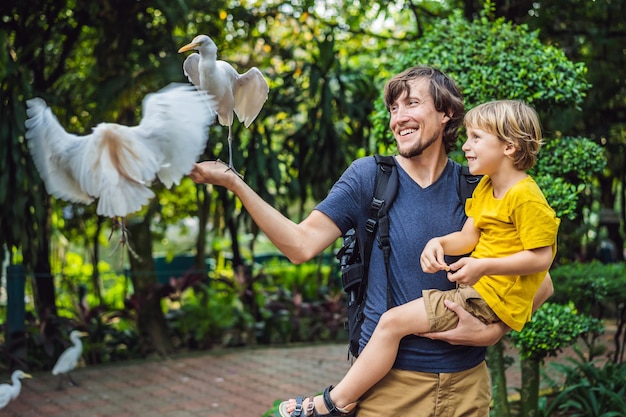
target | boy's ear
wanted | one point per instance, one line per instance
(510, 149)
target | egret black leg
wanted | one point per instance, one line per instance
(69, 376)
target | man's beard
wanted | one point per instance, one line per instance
(418, 148)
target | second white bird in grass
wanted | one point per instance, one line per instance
(69, 358)
(116, 164)
(244, 94)
(10, 392)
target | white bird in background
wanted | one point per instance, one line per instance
(243, 94)
(69, 358)
(116, 164)
(10, 392)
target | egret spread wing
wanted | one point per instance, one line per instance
(175, 126)
(55, 152)
(117, 163)
(243, 95)
(251, 90)
(191, 70)
(119, 170)
(100, 165)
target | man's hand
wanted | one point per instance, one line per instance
(470, 331)
(214, 172)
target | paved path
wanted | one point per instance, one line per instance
(226, 383)
(233, 382)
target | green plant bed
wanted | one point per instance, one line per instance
(590, 389)
(273, 412)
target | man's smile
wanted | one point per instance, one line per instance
(405, 132)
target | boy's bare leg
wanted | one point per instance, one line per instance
(378, 355)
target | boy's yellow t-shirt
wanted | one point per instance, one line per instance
(521, 220)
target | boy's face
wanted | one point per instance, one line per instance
(485, 152)
(414, 121)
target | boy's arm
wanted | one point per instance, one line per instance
(461, 242)
(456, 243)
(469, 270)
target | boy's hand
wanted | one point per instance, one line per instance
(466, 271)
(432, 259)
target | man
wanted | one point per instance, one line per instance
(445, 377)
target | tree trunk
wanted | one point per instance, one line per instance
(153, 332)
(530, 388)
(95, 259)
(203, 200)
(43, 285)
(497, 369)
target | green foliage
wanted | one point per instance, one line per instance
(596, 289)
(592, 286)
(589, 390)
(75, 273)
(492, 60)
(279, 302)
(21, 200)
(592, 34)
(308, 279)
(210, 315)
(562, 183)
(273, 411)
(585, 159)
(552, 328)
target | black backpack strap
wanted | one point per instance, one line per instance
(385, 188)
(383, 220)
(467, 183)
(384, 194)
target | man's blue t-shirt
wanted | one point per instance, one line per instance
(416, 215)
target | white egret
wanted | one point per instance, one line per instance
(243, 94)
(69, 358)
(116, 164)
(10, 392)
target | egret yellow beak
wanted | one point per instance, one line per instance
(27, 376)
(188, 47)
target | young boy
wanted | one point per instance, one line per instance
(510, 228)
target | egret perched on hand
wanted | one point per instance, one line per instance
(243, 94)
(10, 392)
(69, 358)
(116, 164)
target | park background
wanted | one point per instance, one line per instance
(204, 276)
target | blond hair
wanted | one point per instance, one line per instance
(512, 121)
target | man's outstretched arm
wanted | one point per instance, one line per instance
(298, 241)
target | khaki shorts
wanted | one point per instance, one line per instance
(440, 318)
(404, 393)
